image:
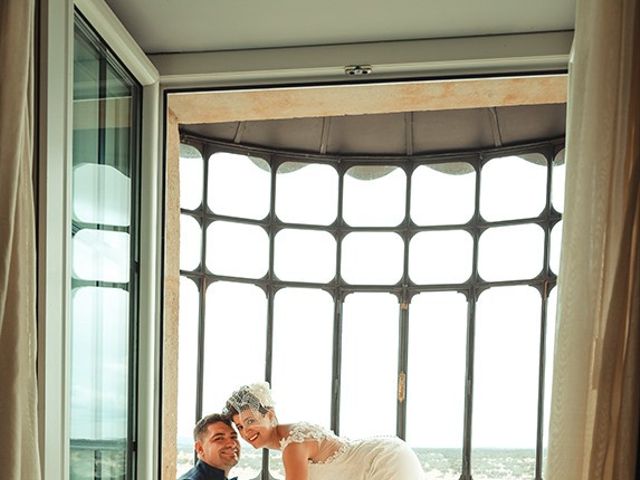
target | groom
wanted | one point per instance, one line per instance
(217, 446)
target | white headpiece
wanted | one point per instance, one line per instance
(256, 396)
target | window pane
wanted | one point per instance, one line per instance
(443, 194)
(99, 369)
(101, 255)
(302, 355)
(374, 196)
(513, 187)
(369, 365)
(306, 193)
(237, 249)
(84, 465)
(276, 469)
(555, 246)
(118, 114)
(507, 344)
(104, 194)
(558, 180)
(190, 242)
(101, 194)
(305, 255)
(440, 257)
(239, 185)
(509, 253)
(187, 373)
(191, 177)
(437, 363)
(235, 333)
(250, 464)
(235, 329)
(372, 258)
(552, 305)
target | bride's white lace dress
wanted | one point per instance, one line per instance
(384, 458)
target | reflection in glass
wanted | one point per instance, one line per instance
(369, 365)
(190, 242)
(302, 355)
(239, 185)
(436, 369)
(191, 177)
(374, 196)
(513, 187)
(99, 370)
(554, 248)
(440, 257)
(306, 193)
(557, 182)
(305, 255)
(509, 253)
(443, 194)
(187, 373)
(83, 464)
(507, 347)
(552, 305)
(237, 249)
(372, 258)
(101, 194)
(101, 255)
(235, 337)
(104, 195)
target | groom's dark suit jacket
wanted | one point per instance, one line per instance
(204, 471)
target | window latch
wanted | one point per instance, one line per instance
(402, 387)
(358, 69)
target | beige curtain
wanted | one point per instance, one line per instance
(19, 458)
(595, 408)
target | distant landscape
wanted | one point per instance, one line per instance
(439, 464)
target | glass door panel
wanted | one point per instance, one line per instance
(104, 200)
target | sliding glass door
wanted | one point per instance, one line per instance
(104, 263)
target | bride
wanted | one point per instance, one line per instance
(310, 452)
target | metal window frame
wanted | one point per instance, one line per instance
(53, 147)
(405, 289)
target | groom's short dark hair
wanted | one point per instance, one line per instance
(204, 422)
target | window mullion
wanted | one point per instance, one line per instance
(544, 292)
(202, 286)
(472, 298)
(405, 299)
(337, 361)
(271, 232)
(403, 360)
(339, 294)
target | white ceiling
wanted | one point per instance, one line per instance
(161, 26)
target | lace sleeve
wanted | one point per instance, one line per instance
(301, 432)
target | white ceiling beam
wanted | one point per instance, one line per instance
(435, 58)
